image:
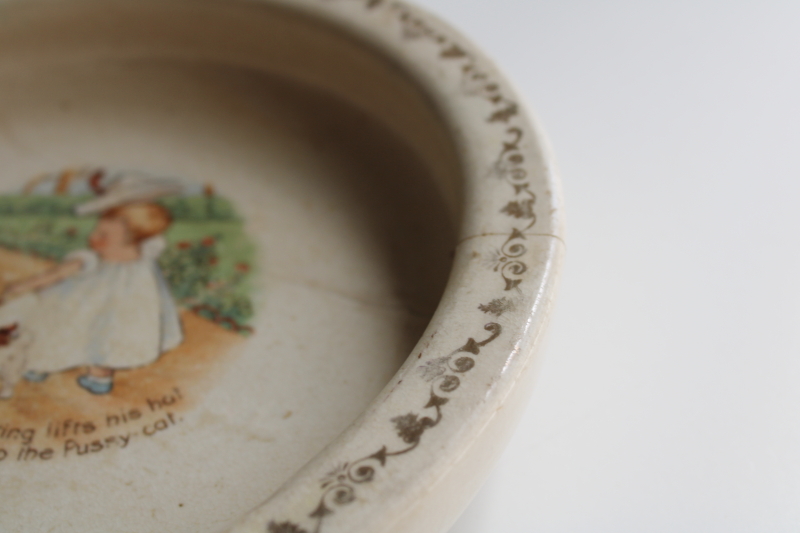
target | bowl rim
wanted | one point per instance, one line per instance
(430, 420)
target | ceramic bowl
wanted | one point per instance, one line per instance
(267, 265)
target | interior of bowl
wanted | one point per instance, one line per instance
(223, 227)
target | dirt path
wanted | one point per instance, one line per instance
(190, 369)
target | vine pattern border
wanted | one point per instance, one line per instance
(338, 487)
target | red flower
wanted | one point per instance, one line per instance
(208, 241)
(184, 245)
(243, 268)
(213, 261)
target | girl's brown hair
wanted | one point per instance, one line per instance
(144, 220)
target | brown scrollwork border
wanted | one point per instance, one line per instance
(338, 487)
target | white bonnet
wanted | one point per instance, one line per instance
(128, 187)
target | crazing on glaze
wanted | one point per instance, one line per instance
(121, 292)
(339, 487)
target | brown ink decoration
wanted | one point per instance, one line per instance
(340, 485)
(497, 307)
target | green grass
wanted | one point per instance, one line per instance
(195, 208)
(51, 237)
(233, 246)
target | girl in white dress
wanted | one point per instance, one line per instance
(104, 308)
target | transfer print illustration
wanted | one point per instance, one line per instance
(121, 291)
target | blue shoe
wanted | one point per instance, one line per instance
(96, 385)
(35, 377)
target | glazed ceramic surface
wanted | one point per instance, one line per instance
(266, 265)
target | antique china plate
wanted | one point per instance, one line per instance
(266, 266)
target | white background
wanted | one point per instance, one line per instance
(669, 400)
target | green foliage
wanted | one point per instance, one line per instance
(41, 205)
(195, 208)
(200, 208)
(49, 237)
(192, 270)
